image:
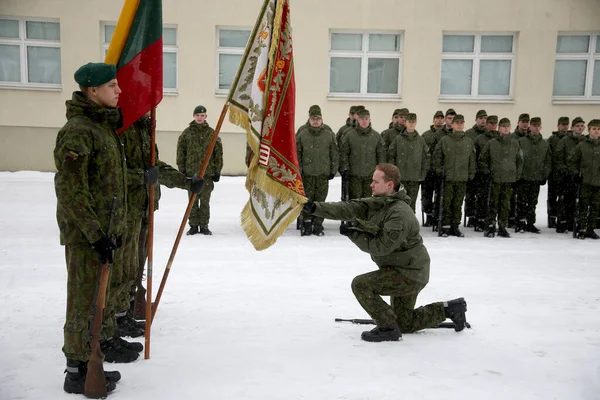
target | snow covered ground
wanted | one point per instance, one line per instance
(239, 324)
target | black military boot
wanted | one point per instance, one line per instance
(318, 230)
(502, 232)
(521, 226)
(581, 235)
(384, 334)
(298, 223)
(551, 222)
(455, 310)
(479, 225)
(307, 228)
(454, 231)
(115, 353)
(205, 231)
(126, 326)
(561, 227)
(591, 234)
(490, 231)
(193, 230)
(77, 372)
(131, 346)
(531, 228)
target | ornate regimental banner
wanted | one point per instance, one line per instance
(262, 100)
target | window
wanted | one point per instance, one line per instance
(231, 44)
(365, 64)
(29, 53)
(577, 67)
(169, 37)
(477, 66)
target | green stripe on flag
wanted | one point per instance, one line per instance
(145, 30)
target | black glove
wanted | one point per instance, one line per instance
(345, 174)
(309, 207)
(216, 177)
(331, 176)
(151, 176)
(196, 184)
(345, 228)
(104, 247)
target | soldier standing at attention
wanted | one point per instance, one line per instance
(454, 161)
(479, 127)
(362, 150)
(473, 186)
(90, 178)
(428, 186)
(318, 159)
(521, 131)
(556, 179)
(351, 123)
(537, 162)
(502, 160)
(385, 227)
(307, 124)
(410, 154)
(397, 126)
(584, 161)
(191, 150)
(483, 187)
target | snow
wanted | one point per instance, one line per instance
(235, 323)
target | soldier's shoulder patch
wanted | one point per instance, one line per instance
(394, 235)
(72, 155)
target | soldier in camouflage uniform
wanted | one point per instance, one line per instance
(351, 123)
(502, 160)
(537, 162)
(584, 162)
(555, 180)
(521, 131)
(397, 126)
(454, 161)
(385, 227)
(362, 149)
(568, 190)
(483, 180)
(307, 124)
(318, 159)
(410, 154)
(90, 186)
(473, 186)
(191, 150)
(428, 185)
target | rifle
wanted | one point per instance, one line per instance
(139, 302)
(95, 383)
(576, 213)
(346, 187)
(358, 321)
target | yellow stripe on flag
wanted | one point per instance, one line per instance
(117, 43)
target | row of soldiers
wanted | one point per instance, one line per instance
(496, 171)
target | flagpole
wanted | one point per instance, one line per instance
(150, 236)
(211, 146)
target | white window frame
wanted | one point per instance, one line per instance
(364, 55)
(166, 49)
(23, 43)
(476, 57)
(591, 57)
(227, 50)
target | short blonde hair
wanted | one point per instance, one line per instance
(390, 173)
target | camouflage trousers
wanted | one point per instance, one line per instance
(500, 204)
(483, 198)
(589, 207)
(428, 187)
(83, 271)
(360, 187)
(412, 190)
(130, 265)
(472, 195)
(567, 203)
(316, 189)
(553, 194)
(527, 199)
(454, 194)
(368, 289)
(200, 214)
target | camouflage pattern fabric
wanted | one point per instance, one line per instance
(427, 189)
(412, 190)
(362, 150)
(359, 187)
(410, 154)
(339, 136)
(389, 135)
(527, 200)
(483, 195)
(585, 160)
(475, 131)
(454, 194)
(503, 159)
(454, 156)
(317, 151)
(191, 149)
(200, 214)
(518, 135)
(589, 207)
(555, 178)
(500, 204)
(316, 188)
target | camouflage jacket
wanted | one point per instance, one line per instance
(91, 171)
(537, 160)
(562, 151)
(191, 148)
(482, 140)
(307, 125)
(429, 137)
(362, 150)
(342, 132)
(553, 142)
(502, 158)
(454, 156)
(317, 151)
(410, 154)
(585, 160)
(136, 142)
(389, 135)
(517, 134)
(474, 132)
(386, 229)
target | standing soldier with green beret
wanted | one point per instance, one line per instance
(555, 180)
(454, 161)
(483, 179)
(537, 162)
(568, 190)
(473, 185)
(90, 185)
(362, 150)
(584, 161)
(410, 154)
(191, 150)
(428, 186)
(397, 126)
(502, 160)
(318, 159)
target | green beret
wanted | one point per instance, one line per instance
(199, 110)
(458, 118)
(577, 120)
(492, 119)
(536, 121)
(450, 111)
(95, 74)
(563, 121)
(504, 121)
(524, 117)
(363, 112)
(594, 122)
(438, 113)
(314, 111)
(481, 113)
(411, 117)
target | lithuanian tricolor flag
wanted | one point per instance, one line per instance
(136, 50)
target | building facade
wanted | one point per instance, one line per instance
(508, 57)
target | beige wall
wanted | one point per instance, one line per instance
(29, 119)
